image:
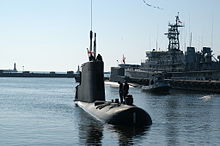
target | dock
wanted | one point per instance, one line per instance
(28, 74)
(212, 86)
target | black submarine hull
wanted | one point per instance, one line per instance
(117, 114)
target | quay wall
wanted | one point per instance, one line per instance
(212, 86)
(196, 85)
(37, 75)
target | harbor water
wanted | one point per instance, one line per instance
(41, 112)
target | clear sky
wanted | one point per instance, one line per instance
(52, 35)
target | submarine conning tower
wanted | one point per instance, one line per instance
(91, 87)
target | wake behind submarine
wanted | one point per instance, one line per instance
(90, 95)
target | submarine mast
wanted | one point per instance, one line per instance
(92, 49)
(91, 33)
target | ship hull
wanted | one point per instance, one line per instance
(164, 88)
(117, 114)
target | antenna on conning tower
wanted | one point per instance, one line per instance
(190, 41)
(91, 33)
(94, 45)
(91, 15)
(92, 49)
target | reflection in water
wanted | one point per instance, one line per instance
(90, 130)
(155, 93)
(129, 135)
(94, 134)
(172, 117)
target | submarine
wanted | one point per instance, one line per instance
(90, 95)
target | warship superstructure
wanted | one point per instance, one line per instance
(171, 60)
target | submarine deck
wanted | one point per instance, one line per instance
(116, 113)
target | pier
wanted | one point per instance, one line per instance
(212, 86)
(28, 74)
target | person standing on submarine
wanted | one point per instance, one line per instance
(121, 93)
(126, 88)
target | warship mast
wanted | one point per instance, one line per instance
(173, 34)
(174, 45)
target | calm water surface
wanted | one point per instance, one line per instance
(41, 112)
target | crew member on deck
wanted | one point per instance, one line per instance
(121, 91)
(126, 88)
(99, 57)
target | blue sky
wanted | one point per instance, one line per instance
(52, 35)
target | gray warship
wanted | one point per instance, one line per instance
(173, 63)
(90, 96)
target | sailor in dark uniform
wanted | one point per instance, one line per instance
(99, 57)
(126, 88)
(121, 91)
